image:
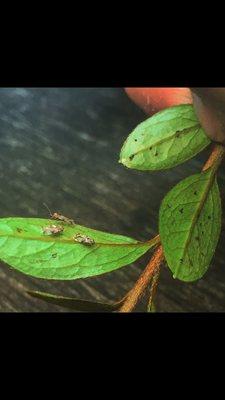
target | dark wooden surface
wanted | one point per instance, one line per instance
(61, 146)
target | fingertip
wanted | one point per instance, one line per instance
(152, 100)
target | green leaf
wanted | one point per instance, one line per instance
(190, 224)
(75, 304)
(24, 246)
(165, 140)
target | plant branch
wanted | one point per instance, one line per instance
(133, 296)
(137, 291)
(154, 285)
(215, 158)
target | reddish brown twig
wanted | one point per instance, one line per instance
(154, 285)
(216, 157)
(137, 291)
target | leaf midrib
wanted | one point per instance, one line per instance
(72, 242)
(195, 218)
(168, 138)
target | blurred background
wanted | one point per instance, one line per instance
(61, 146)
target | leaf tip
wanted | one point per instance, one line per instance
(124, 161)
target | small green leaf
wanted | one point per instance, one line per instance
(75, 304)
(24, 246)
(190, 224)
(165, 140)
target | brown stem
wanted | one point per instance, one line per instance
(215, 158)
(131, 299)
(137, 291)
(154, 285)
